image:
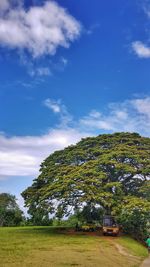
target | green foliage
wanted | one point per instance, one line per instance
(38, 216)
(144, 191)
(90, 214)
(10, 214)
(134, 215)
(87, 215)
(65, 223)
(73, 220)
(101, 170)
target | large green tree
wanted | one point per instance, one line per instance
(10, 213)
(100, 170)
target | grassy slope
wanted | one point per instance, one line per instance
(133, 246)
(43, 247)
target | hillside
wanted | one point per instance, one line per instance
(44, 246)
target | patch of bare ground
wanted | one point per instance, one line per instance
(146, 263)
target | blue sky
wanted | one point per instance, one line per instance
(69, 69)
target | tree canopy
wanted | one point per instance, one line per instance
(102, 170)
(10, 214)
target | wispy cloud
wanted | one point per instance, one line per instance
(40, 30)
(58, 107)
(36, 68)
(40, 71)
(142, 106)
(22, 155)
(92, 28)
(131, 115)
(54, 105)
(64, 61)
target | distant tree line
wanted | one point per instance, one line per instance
(12, 215)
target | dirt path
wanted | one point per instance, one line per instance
(146, 263)
(121, 249)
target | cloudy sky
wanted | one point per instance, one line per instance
(68, 69)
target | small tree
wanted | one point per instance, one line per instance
(39, 216)
(10, 213)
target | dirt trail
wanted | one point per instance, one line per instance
(146, 263)
(122, 250)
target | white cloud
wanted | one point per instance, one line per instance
(141, 50)
(43, 71)
(4, 5)
(22, 155)
(142, 106)
(20, 202)
(95, 114)
(58, 107)
(40, 30)
(54, 105)
(133, 115)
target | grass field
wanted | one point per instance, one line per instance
(45, 246)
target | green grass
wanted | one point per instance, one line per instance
(46, 247)
(132, 245)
